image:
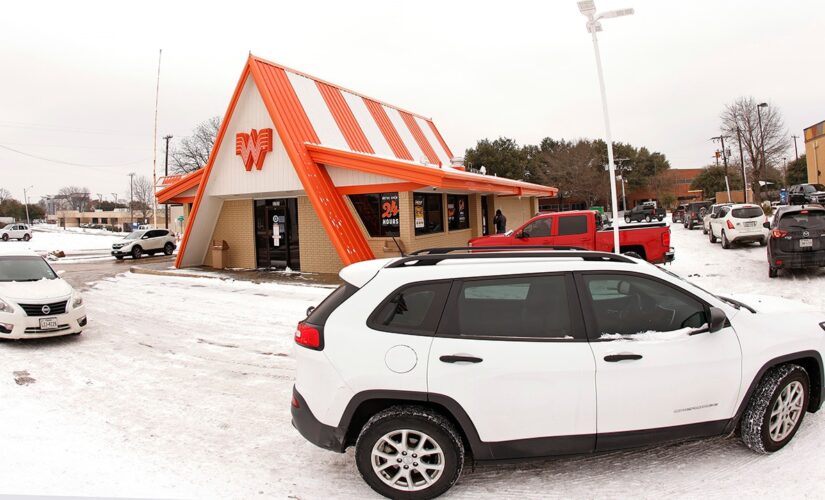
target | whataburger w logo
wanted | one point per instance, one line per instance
(252, 147)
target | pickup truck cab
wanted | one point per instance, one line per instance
(645, 212)
(588, 230)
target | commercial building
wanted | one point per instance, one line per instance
(309, 175)
(815, 152)
(119, 218)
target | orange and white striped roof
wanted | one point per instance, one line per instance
(346, 120)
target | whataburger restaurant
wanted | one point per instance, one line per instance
(308, 175)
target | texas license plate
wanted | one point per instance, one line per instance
(806, 243)
(48, 323)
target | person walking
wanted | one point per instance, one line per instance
(500, 222)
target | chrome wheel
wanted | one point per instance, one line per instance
(407, 460)
(786, 411)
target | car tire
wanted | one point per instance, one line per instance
(704, 229)
(168, 249)
(772, 272)
(661, 218)
(690, 225)
(763, 242)
(647, 218)
(5, 237)
(385, 429)
(136, 252)
(26, 237)
(725, 242)
(627, 219)
(711, 237)
(776, 409)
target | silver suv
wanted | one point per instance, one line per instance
(145, 241)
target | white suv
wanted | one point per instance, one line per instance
(16, 232)
(150, 241)
(426, 361)
(738, 224)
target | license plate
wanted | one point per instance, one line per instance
(806, 243)
(48, 323)
(750, 224)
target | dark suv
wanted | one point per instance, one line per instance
(694, 212)
(797, 239)
(802, 194)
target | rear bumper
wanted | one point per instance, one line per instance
(670, 256)
(317, 433)
(749, 237)
(797, 260)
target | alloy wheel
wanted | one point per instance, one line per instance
(786, 411)
(407, 460)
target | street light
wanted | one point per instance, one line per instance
(762, 138)
(588, 9)
(26, 201)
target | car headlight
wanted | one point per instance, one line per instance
(5, 307)
(77, 299)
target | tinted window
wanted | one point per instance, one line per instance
(747, 213)
(806, 219)
(458, 211)
(522, 307)
(413, 309)
(572, 224)
(380, 212)
(628, 305)
(319, 315)
(537, 228)
(428, 213)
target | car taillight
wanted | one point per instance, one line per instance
(730, 225)
(308, 336)
(666, 238)
(779, 233)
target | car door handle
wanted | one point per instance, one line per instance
(613, 358)
(460, 359)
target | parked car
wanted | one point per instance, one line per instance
(149, 242)
(801, 194)
(16, 232)
(797, 238)
(585, 229)
(645, 212)
(679, 213)
(713, 210)
(468, 356)
(739, 224)
(694, 212)
(34, 300)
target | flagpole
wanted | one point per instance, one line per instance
(155, 150)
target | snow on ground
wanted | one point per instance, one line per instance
(180, 387)
(47, 238)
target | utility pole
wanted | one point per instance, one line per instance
(762, 142)
(155, 152)
(721, 138)
(167, 138)
(132, 199)
(26, 201)
(795, 150)
(742, 161)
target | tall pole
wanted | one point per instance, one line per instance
(725, 161)
(26, 201)
(742, 161)
(795, 150)
(132, 199)
(613, 199)
(155, 152)
(166, 138)
(762, 144)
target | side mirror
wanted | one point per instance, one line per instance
(717, 319)
(521, 234)
(766, 225)
(145, 237)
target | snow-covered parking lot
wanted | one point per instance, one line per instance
(180, 387)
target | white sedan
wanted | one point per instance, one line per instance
(34, 301)
(742, 223)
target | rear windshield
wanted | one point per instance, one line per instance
(813, 219)
(747, 212)
(25, 268)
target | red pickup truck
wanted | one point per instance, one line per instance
(586, 229)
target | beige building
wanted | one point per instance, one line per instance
(310, 176)
(119, 218)
(815, 152)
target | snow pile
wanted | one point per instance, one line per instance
(651, 335)
(67, 241)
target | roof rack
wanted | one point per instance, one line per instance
(435, 255)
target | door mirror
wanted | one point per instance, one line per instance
(623, 288)
(145, 237)
(717, 319)
(521, 234)
(766, 225)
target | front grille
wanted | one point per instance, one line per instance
(37, 309)
(60, 328)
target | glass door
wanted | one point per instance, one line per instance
(276, 233)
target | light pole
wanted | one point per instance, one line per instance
(588, 9)
(762, 141)
(742, 162)
(132, 200)
(26, 202)
(166, 138)
(721, 138)
(795, 147)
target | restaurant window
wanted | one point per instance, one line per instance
(379, 212)
(458, 211)
(429, 214)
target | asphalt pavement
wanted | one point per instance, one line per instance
(81, 275)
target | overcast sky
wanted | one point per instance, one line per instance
(78, 78)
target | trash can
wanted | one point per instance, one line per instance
(219, 250)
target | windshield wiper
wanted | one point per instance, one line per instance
(737, 304)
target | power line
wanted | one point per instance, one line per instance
(62, 162)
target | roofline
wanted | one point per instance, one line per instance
(188, 181)
(812, 126)
(339, 87)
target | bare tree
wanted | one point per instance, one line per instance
(192, 152)
(74, 198)
(5, 194)
(742, 115)
(143, 195)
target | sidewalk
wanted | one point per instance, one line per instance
(166, 268)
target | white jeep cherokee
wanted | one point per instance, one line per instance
(426, 361)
